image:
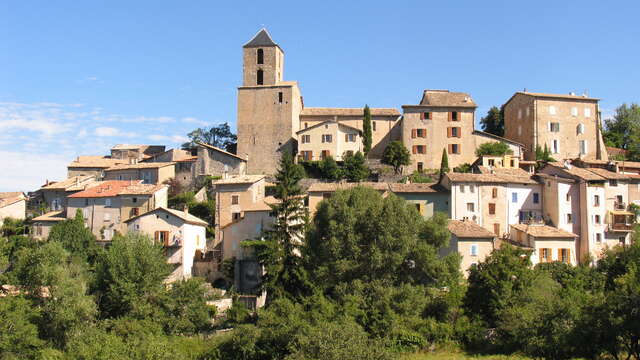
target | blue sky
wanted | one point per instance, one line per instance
(79, 76)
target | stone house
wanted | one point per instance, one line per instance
(257, 218)
(92, 165)
(148, 172)
(54, 194)
(328, 138)
(185, 163)
(568, 124)
(473, 242)
(12, 205)
(108, 204)
(42, 224)
(213, 161)
(135, 153)
(547, 242)
(181, 234)
(320, 191)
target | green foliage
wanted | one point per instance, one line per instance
(420, 178)
(493, 148)
(367, 130)
(185, 304)
(544, 155)
(130, 276)
(463, 168)
(12, 227)
(219, 136)
(355, 168)
(329, 169)
(396, 155)
(18, 333)
(444, 163)
(279, 252)
(493, 122)
(75, 237)
(623, 130)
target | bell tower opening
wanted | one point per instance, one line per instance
(260, 77)
(260, 55)
(263, 61)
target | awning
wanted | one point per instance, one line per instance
(622, 212)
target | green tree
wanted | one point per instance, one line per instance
(495, 283)
(219, 136)
(18, 332)
(355, 167)
(462, 168)
(330, 169)
(130, 276)
(544, 155)
(493, 122)
(11, 227)
(623, 130)
(186, 306)
(367, 135)
(493, 148)
(396, 155)
(75, 237)
(444, 163)
(279, 252)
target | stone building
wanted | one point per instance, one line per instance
(87, 165)
(148, 172)
(473, 242)
(214, 161)
(12, 205)
(328, 138)
(569, 125)
(547, 242)
(54, 194)
(135, 153)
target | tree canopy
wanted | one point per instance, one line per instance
(493, 148)
(493, 122)
(219, 136)
(396, 155)
(623, 130)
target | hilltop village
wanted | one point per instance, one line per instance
(569, 207)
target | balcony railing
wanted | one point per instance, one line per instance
(620, 227)
(619, 206)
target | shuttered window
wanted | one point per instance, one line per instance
(492, 209)
(494, 193)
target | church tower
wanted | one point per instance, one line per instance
(268, 107)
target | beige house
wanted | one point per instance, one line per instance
(569, 125)
(320, 191)
(233, 195)
(181, 234)
(148, 172)
(55, 194)
(257, 218)
(92, 165)
(216, 162)
(328, 138)
(42, 224)
(108, 204)
(134, 153)
(473, 242)
(12, 205)
(548, 243)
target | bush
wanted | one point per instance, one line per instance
(493, 148)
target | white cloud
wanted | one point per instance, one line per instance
(111, 131)
(27, 171)
(170, 138)
(192, 120)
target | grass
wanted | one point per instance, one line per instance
(458, 355)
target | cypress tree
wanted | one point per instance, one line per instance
(366, 129)
(444, 164)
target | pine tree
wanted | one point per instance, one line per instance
(366, 129)
(444, 164)
(279, 252)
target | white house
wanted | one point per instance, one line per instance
(12, 205)
(178, 231)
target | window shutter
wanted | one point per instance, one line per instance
(450, 115)
(559, 254)
(459, 132)
(449, 150)
(448, 132)
(413, 133)
(569, 256)
(156, 236)
(494, 193)
(430, 115)
(422, 116)
(424, 133)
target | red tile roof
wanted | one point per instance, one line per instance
(117, 187)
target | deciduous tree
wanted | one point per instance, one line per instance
(396, 155)
(493, 122)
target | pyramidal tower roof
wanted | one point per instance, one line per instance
(262, 38)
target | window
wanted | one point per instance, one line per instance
(574, 111)
(596, 219)
(260, 56)
(569, 219)
(496, 229)
(259, 77)
(453, 132)
(146, 177)
(325, 154)
(55, 204)
(552, 110)
(327, 138)
(596, 200)
(536, 198)
(107, 217)
(420, 167)
(107, 202)
(454, 116)
(280, 97)
(461, 188)
(554, 127)
(564, 255)
(471, 207)
(545, 255)
(582, 144)
(374, 125)
(494, 193)
(580, 129)
(306, 139)
(472, 189)
(568, 197)
(235, 216)
(454, 148)
(587, 112)
(519, 114)
(555, 146)
(350, 137)
(419, 149)
(421, 133)
(492, 209)
(619, 199)
(474, 249)
(519, 129)
(162, 237)
(492, 162)
(514, 197)
(86, 202)
(306, 125)
(234, 199)
(134, 200)
(598, 237)
(527, 108)
(613, 182)
(135, 211)
(425, 115)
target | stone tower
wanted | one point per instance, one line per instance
(268, 108)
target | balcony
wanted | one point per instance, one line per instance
(620, 221)
(619, 206)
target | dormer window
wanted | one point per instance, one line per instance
(260, 56)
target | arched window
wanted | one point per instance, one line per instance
(260, 80)
(260, 56)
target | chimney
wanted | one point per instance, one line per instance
(572, 93)
(185, 209)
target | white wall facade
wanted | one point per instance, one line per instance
(461, 195)
(524, 201)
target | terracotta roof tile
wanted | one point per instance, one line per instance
(330, 187)
(10, 198)
(558, 96)
(510, 175)
(469, 177)
(446, 98)
(416, 188)
(112, 188)
(185, 216)
(326, 111)
(543, 231)
(73, 183)
(58, 215)
(239, 179)
(610, 175)
(142, 165)
(580, 173)
(95, 162)
(469, 229)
